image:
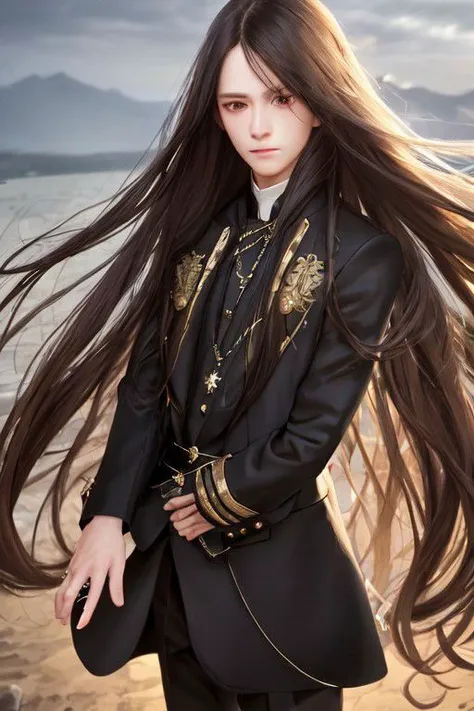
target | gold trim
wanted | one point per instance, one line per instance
(210, 264)
(292, 247)
(286, 342)
(223, 490)
(295, 666)
(209, 552)
(215, 501)
(204, 500)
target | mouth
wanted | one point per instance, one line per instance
(264, 150)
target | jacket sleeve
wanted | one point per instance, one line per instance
(271, 469)
(118, 481)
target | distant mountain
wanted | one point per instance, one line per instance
(431, 114)
(59, 114)
(26, 165)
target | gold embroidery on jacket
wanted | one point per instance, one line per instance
(211, 263)
(300, 283)
(291, 250)
(187, 273)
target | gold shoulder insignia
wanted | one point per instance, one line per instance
(187, 273)
(302, 280)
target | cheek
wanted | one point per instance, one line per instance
(299, 128)
(302, 126)
(235, 130)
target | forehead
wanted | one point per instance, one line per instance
(237, 75)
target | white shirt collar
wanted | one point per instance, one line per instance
(267, 196)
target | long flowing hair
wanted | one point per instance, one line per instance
(418, 467)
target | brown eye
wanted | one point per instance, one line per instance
(233, 103)
(287, 99)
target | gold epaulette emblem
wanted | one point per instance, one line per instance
(302, 280)
(187, 273)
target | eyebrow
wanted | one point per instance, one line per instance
(236, 94)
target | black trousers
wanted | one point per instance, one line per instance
(186, 685)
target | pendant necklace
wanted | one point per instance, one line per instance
(243, 280)
(211, 380)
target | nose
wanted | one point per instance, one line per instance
(260, 124)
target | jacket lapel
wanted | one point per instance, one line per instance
(302, 244)
(221, 404)
(183, 361)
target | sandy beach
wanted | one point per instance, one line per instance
(36, 651)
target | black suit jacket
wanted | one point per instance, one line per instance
(284, 608)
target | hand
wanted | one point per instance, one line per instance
(186, 518)
(99, 551)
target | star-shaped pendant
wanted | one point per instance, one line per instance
(211, 381)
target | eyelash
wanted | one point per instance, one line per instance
(280, 96)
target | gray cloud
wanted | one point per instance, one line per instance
(28, 18)
(143, 47)
(455, 11)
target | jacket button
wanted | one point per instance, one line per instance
(258, 524)
(203, 408)
(230, 535)
(243, 531)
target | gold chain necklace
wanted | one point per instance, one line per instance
(270, 226)
(248, 233)
(211, 380)
(243, 280)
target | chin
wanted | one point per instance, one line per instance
(269, 171)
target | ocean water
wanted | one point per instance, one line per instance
(29, 207)
(29, 204)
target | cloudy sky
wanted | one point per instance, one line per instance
(144, 47)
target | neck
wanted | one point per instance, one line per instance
(266, 196)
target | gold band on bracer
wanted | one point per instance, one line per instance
(204, 501)
(215, 501)
(218, 475)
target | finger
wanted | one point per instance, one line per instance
(59, 597)
(198, 531)
(182, 526)
(183, 513)
(196, 519)
(75, 583)
(62, 594)
(116, 581)
(179, 501)
(97, 583)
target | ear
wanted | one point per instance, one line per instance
(316, 122)
(217, 118)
